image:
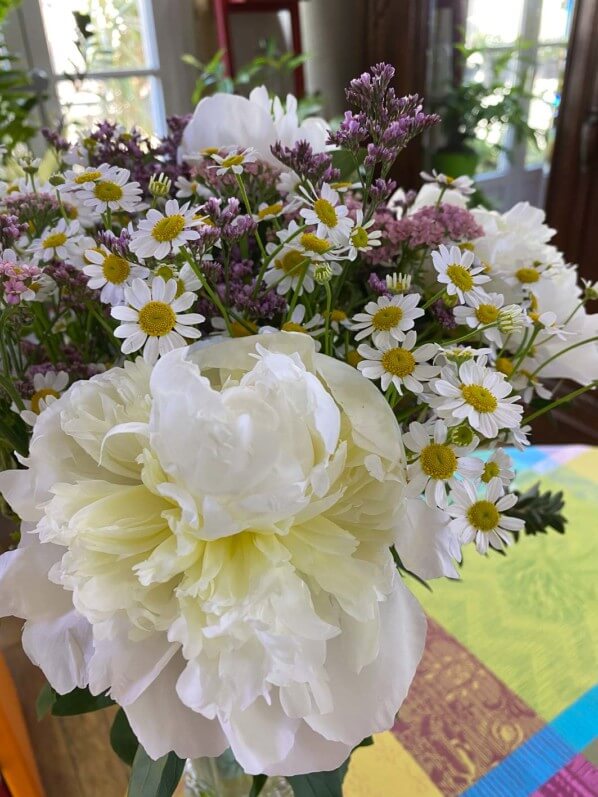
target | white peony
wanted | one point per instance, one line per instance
(228, 120)
(209, 541)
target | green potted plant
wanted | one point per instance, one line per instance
(472, 107)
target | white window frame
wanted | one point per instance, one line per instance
(171, 81)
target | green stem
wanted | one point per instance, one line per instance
(8, 386)
(211, 293)
(245, 198)
(469, 335)
(433, 299)
(328, 339)
(560, 354)
(564, 400)
(523, 351)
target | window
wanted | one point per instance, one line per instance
(108, 59)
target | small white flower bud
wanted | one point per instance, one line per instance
(511, 318)
(322, 273)
(160, 185)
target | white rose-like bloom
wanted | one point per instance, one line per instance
(228, 120)
(209, 542)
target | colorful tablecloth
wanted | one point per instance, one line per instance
(505, 701)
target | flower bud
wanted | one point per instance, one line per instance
(398, 283)
(56, 179)
(322, 273)
(160, 185)
(511, 318)
(461, 435)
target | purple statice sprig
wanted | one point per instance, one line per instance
(11, 229)
(313, 167)
(437, 224)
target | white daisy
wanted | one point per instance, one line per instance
(399, 365)
(460, 354)
(479, 394)
(326, 212)
(438, 462)
(454, 269)
(155, 318)
(47, 388)
(161, 234)
(112, 192)
(291, 267)
(483, 309)
(186, 278)
(60, 241)
(187, 189)
(297, 323)
(464, 184)
(482, 518)
(111, 273)
(499, 465)
(360, 239)
(83, 177)
(266, 211)
(234, 161)
(388, 318)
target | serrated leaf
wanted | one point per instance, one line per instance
(79, 701)
(122, 739)
(155, 778)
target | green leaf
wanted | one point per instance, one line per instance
(45, 701)
(155, 778)
(320, 784)
(123, 740)
(79, 701)
(259, 781)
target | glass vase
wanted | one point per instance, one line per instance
(223, 777)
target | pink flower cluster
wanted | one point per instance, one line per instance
(432, 226)
(16, 278)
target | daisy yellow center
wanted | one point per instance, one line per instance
(325, 211)
(354, 358)
(232, 160)
(55, 240)
(527, 275)
(339, 186)
(460, 277)
(39, 396)
(115, 269)
(313, 243)
(504, 365)
(207, 151)
(80, 179)
(359, 237)
(486, 313)
(338, 316)
(270, 210)
(107, 191)
(168, 228)
(398, 362)
(483, 515)
(491, 470)
(292, 326)
(438, 461)
(71, 211)
(239, 330)
(387, 318)
(480, 398)
(157, 319)
(290, 261)
(449, 180)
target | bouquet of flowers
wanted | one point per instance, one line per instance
(249, 389)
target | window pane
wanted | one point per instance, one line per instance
(493, 24)
(556, 20)
(97, 35)
(127, 101)
(547, 86)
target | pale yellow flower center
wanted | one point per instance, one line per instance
(107, 191)
(354, 358)
(157, 319)
(270, 210)
(115, 269)
(39, 396)
(239, 330)
(438, 461)
(398, 362)
(480, 398)
(338, 316)
(505, 366)
(290, 261)
(527, 275)
(313, 243)
(168, 274)
(486, 313)
(483, 516)
(168, 228)
(387, 318)
(491, 470)
(292, 326)
(325, 212)
(55, 240)
(71, 211)
(207, 151)
(80, 179)
(359, 237)
(232, 160)
(460, 277)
